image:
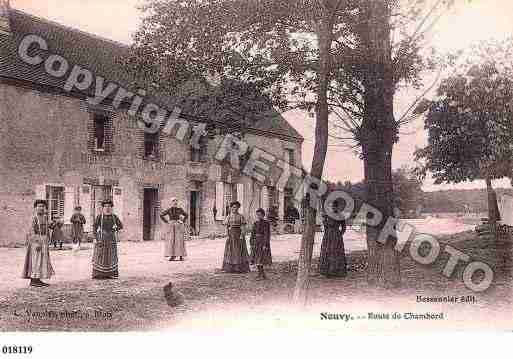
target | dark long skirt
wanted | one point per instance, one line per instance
(57, 237)
(77, 232)
(236, 257)
(105, 257)
(332, 261)
(260, 253)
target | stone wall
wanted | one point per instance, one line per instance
(45, 138)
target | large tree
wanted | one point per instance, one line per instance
(385, 53)
(309, 54)
(284, 48)
(470, 124)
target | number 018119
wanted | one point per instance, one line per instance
(16, 349)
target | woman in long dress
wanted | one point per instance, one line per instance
(332, 261)
(37, 264)
(236, 258)
(105, 252)
(175, 218)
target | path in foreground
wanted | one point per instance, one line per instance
(229, 301)
(137, 259)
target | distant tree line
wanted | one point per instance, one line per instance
(412, 201)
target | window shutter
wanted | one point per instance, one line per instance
(220, 201)
(90, 133)
(139, 140)
(69, 204)
(85, 203)
(506, 210)
(41, 192)
(161, 149)
(281, 204)
(264, 199)
(286, 156)
(109, 135)
(240, 196)
(117, 199)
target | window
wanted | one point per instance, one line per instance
(151, 145)
(100, 132)
(55, 199)
(290, 156)
(199, 154)
(100, 125)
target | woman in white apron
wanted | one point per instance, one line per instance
(37, 258)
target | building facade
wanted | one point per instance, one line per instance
(55, 145)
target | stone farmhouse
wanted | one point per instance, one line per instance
(55, 145)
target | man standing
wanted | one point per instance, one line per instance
(37, 258)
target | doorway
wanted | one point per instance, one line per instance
(194, 212)
(150, 215)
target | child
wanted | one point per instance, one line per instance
(57, 235)
(77, 226)
(260, 242)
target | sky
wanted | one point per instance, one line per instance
(466, 24)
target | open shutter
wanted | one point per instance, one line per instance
(506, 210)
(41, 192)
(286, 156)
(281, 204)
(69, 203)
(117, 199)
(85, 203)
(220, 201)
(264, 199)
(240, 196)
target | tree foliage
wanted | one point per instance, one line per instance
(470, 123)
(345, 57)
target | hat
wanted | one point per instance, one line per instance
(106, 202)
(261, 210)
(235, 203)
(40, 201)
(78, 208)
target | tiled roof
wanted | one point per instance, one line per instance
(101, 56)
(79, 48)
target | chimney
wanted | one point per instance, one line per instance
(5, 28)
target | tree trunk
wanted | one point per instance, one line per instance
(383, 260)
(379, 133)
(319, 157)
(493, 208)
